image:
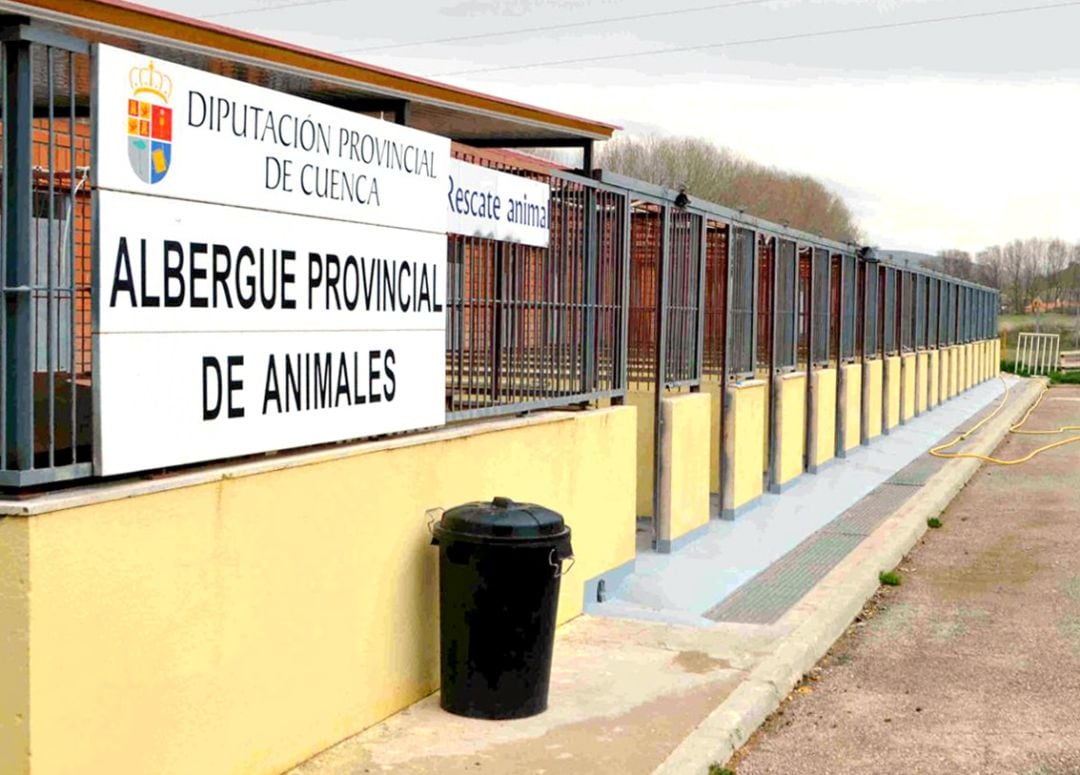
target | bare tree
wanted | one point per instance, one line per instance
(718, 175)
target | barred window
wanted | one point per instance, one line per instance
(821, 270)
(871, 342)
(888, 307)
(787, 277)
(741, 339)
(849, 307)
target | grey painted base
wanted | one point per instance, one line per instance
(780, 489)
(612, 579)
(664, 546)
(816, 469)
(732, 514)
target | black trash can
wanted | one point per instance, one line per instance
(499, 569)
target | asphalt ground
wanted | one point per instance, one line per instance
(972, 665)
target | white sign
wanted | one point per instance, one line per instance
(228, 319)
(169, 130)
(483, 202)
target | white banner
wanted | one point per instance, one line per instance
(229, 319)
(169, 130)
(483, 202)
(168, 399)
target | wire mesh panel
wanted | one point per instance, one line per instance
(920, 310)
(871, 342)
(952, 294)
(529, 327)
(716, 268)
(646, 245)
(805, 259)
(682, 292)
(849, 307)
(821, 292)
(931, 312)
(907, 310)
(764, 330)
(46, 326)
(742, 295)
(787, 278)
(888, 309)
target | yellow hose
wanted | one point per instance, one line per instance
(937, 451)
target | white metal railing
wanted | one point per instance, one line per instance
(1038, 353)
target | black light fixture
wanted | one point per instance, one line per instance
(682, 200)
(869, 255)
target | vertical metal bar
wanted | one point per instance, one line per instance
(51, 260)
(772, 475)
(624, 324)
(699, 370)
(839, 413)
(73, 286)
(18, 195)
(810, 434)
(589, 340)
(5, 111)
(659, 378)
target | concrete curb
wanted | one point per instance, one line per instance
(820, 618)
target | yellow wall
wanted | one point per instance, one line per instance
(874, 396)
(714, 388)
(241, 625)
(791, 416)
(934, 376)
(892, 365)
(955, 356)
(969, 357)
(644, 402)
(684, 478)
(825, 410)
(922, 379)
(908, 372)
(853, 408)
(743, 442)
(14, 646)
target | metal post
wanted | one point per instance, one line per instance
(660, 377)
(19, 271)
(773, 474)
(840, 439)
(624, 325)
(588, 372)
(810, 437)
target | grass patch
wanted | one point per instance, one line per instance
(890, 578)
(716, 769)
(1056, 377)
(934, 522)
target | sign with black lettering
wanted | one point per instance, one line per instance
(483, 202)
(194, 135)
(233, 316)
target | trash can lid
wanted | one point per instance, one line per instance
(503, 518)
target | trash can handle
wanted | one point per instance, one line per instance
(433, 516)
(555, 562)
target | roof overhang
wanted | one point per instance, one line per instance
(446, 110)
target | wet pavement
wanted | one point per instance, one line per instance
(973, 664)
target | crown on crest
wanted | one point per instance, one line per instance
(150, 80)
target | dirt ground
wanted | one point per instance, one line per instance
(972, 665)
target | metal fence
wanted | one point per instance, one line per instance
(932, 311)
(907, 310)
(741, 295)
(531, 327)
(787, 279)
(526, 327)
(849, 307)
(820, 291)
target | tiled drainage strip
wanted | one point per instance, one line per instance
(766, 597)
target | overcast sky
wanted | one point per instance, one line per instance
(960, 133)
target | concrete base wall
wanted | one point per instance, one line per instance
(684, 472)
(907, 405)
(892, 397)
(714, 388)
(922, 382)
(240, 620)
(824, 417)
(872, 373)
(954, 370)
(644, 401)
(791, 420)
(744, 443)
(852, 406)
(933, 375)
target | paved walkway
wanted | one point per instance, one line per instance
(638, 694)
(973, 664)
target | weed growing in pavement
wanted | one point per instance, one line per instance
(934, 522)
(716, 769)
(890, 578)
